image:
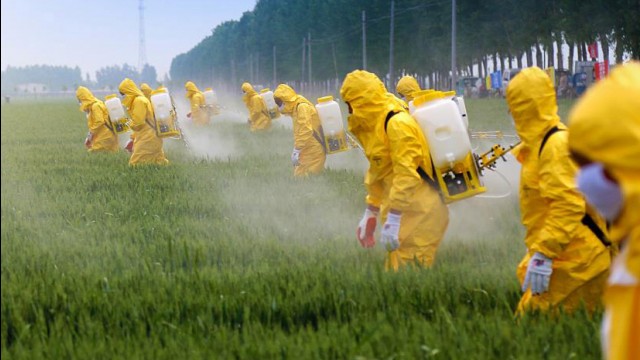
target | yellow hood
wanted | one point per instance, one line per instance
(605, 128)
(191, 88)
(249, 92)
(368, 98)
(130, 91)
(407, 86)
(85, 97)
(289, 98)
(532, 102)
(605, 123)
(146, 89)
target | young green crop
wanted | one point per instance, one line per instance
(231, 257)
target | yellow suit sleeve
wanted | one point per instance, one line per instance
(566, 206)
(406, 155)
(256, 108)
(375, 188)
(197, 101)
(96, 118)
(302, 129)
(138, 114)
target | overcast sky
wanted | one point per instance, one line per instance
(93, 34)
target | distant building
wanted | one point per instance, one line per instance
(32, 88)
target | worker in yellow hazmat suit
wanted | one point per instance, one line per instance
(198, 112)
(406, 87)
(101, 137)
(567, 261)
(399, 177)
(605, 140)
(308, 154)
(146, 90)
(147, 146)
(259, 118)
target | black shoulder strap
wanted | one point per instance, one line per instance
(588, 221)
(389, 116)
(551, 131)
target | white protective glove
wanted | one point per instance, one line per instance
(538, 274)
(88, 141)
(295, 157)
(367, 227)
(390, 232)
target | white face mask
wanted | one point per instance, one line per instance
(602, 193)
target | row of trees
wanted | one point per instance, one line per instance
(491, 34)
(63, 78)
(54, 78)
(111, 76)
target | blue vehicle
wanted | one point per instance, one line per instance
(580, 82)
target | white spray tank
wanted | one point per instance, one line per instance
(210, 97)
(459, 100)
(165, 114)
(449, 145)
(267, 95)
(415, 96)
(211, 102)
(330, 115)
(117, 115)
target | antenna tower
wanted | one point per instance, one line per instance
(142, 51)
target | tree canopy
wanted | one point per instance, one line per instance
(501, 31)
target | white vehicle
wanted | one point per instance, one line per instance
(507, 75)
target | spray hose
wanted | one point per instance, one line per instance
(501, 196)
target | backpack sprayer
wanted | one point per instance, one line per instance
(336, 138)
(117, 115)
(165, 116)
(211, 102)
(270, 101)
(443, 120)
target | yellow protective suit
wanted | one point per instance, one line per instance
(550, 205)
(198, 112)
(406, 86)
(259, 118)
(104, 139)
(146, 90)
(605, 128)
(147, 146)
(392, 180)
(308, 136)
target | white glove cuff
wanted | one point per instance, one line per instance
(393, 218)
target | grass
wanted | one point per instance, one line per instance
(231, 257)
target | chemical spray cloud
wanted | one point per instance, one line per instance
(486, 215)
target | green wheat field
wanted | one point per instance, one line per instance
(224, 255)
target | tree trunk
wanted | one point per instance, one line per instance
(605, 46)
(511, 60)
(495, 62)
(530, 57)
(519, 60)
(584, 51)
(538, 55)
(485, 65)
(502, 61)
(619, 49)
(551, 54)
(578, 48)
(560, 57)
(571, 52)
